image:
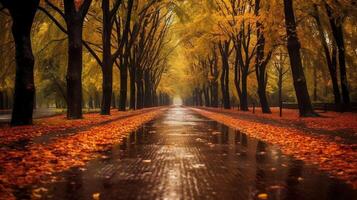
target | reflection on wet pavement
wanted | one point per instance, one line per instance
(185, 156)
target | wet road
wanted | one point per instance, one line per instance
(185, 156)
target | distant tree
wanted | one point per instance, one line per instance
(225, 53)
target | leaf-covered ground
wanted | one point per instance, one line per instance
(23, 163)
(57, 124)
(329, 141)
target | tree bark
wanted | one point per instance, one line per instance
(140, 88)
(148, 89)
(214, 82)
(107, 68)
(280, 87)
(301, 91)
(123, 84)
(2, 107)
(237, 77)
(74, 70)
(154, 98)
(315, 84)
(74, 18)
(260, 64)
(22, 14)
(214, 94)
(331, 60)
(132, 71)
(206, 95)
(225, 75)
(244, 96)
(107, 86)
(337, 32)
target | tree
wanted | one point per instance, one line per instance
(261, 63)
(281, 71)
(74, 15)
(293, 45)
(22, 14)
(336, 23)
(225, 53)
(213, 68)
(330, 56)
(107, 58)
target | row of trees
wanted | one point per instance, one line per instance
(245, 37)
(131, 35)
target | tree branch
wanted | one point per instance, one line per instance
(84, 8)
(126, 29)
(53, 19)
(49, 43)
(115, 9)
(59, 25)
(55, 8)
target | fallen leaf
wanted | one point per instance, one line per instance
(96, 196)
(263, 196)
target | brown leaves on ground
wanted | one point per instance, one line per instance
(40, 161)
(57, 124)
(339, 160)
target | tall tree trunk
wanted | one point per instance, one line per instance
(2, 105)
(206, 95)
(123, 84)
(107, 68)
(23, 14)
(222, 85)
(244, 96)
(132, 71)
(302, 94)
(200, 100)
(280, 87)
(74, 71)
(263, 100)
(337, 32)
(124, 66)
(107, 86)
(74, 18)
(330, 59)
(214, 94)
(148, 90)
(227, 102)
(139, 83)
(225, 75)
(333, 73)
(237, 77)
(154, 98)
(214, 83)
(261, 63)
(315, 84)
